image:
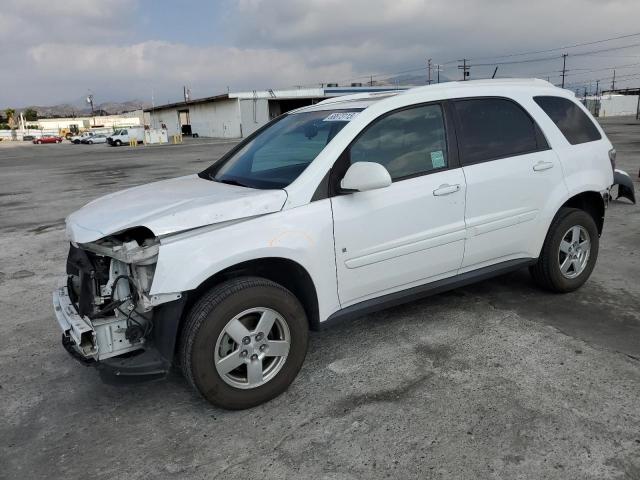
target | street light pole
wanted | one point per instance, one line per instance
(90, 102)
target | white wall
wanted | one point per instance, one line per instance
(250, 121)
(219, 119)
(616, 105)
(125, 119)
(216, 119)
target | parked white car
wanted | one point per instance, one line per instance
(331, 211)
(98, 138)
(125, 135)
(77, 139)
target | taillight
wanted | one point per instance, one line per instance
(612, 158)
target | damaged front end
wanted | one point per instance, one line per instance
(107, 315)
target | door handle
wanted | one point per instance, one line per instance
(446, 189)
(540, 166)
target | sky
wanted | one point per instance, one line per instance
(142, 49)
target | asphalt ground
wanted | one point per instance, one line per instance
(495, 380)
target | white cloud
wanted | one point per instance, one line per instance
(140, 67)
(51, 54)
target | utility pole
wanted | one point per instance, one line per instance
(613, 83)
(438, 70)
(564, 67)
(429, 72)
(597, 87)
(465, 68)
(371, 81)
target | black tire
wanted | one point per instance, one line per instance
(546, 272)
(117, 143)
(207, 319)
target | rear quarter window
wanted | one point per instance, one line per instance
(574, 124)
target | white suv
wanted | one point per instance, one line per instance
(331, 211)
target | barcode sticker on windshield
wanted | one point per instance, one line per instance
(341, 117)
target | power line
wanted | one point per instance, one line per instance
(542, 59)
(514, 62)
(566, 47)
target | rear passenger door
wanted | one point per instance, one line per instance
(511, 175)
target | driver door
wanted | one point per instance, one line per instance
(413, 231)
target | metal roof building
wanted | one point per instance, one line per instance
(236, 115)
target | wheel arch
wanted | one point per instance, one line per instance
(286, 272)
(590, 202)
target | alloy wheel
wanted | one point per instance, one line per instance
(574, 251)
(252, 348)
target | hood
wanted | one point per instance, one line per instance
(170, 206)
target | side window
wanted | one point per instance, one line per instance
(574, 124)
(123, 132)
(407, 142)
(492, 128)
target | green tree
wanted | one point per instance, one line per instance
(30, 115)
(10, 113)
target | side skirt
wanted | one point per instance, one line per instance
(422, 291)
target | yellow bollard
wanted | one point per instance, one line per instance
(133, 142)
(177, 138)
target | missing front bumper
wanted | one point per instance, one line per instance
(82, 339)
(97, 339)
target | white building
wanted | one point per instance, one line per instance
(129, 119)
(612, 105)
(236, 115)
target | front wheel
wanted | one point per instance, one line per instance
(244, 342)
(569, 252)
(117, 143)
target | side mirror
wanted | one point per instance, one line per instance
(363, 176)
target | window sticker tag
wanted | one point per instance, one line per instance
(341, 117)
(437, 159)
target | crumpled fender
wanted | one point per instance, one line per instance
(625, 185)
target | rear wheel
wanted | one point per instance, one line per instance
(117, 143)
(244, 342)
(569, 252)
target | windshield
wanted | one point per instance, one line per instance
(277, 155)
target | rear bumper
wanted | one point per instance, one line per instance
(625, 185)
